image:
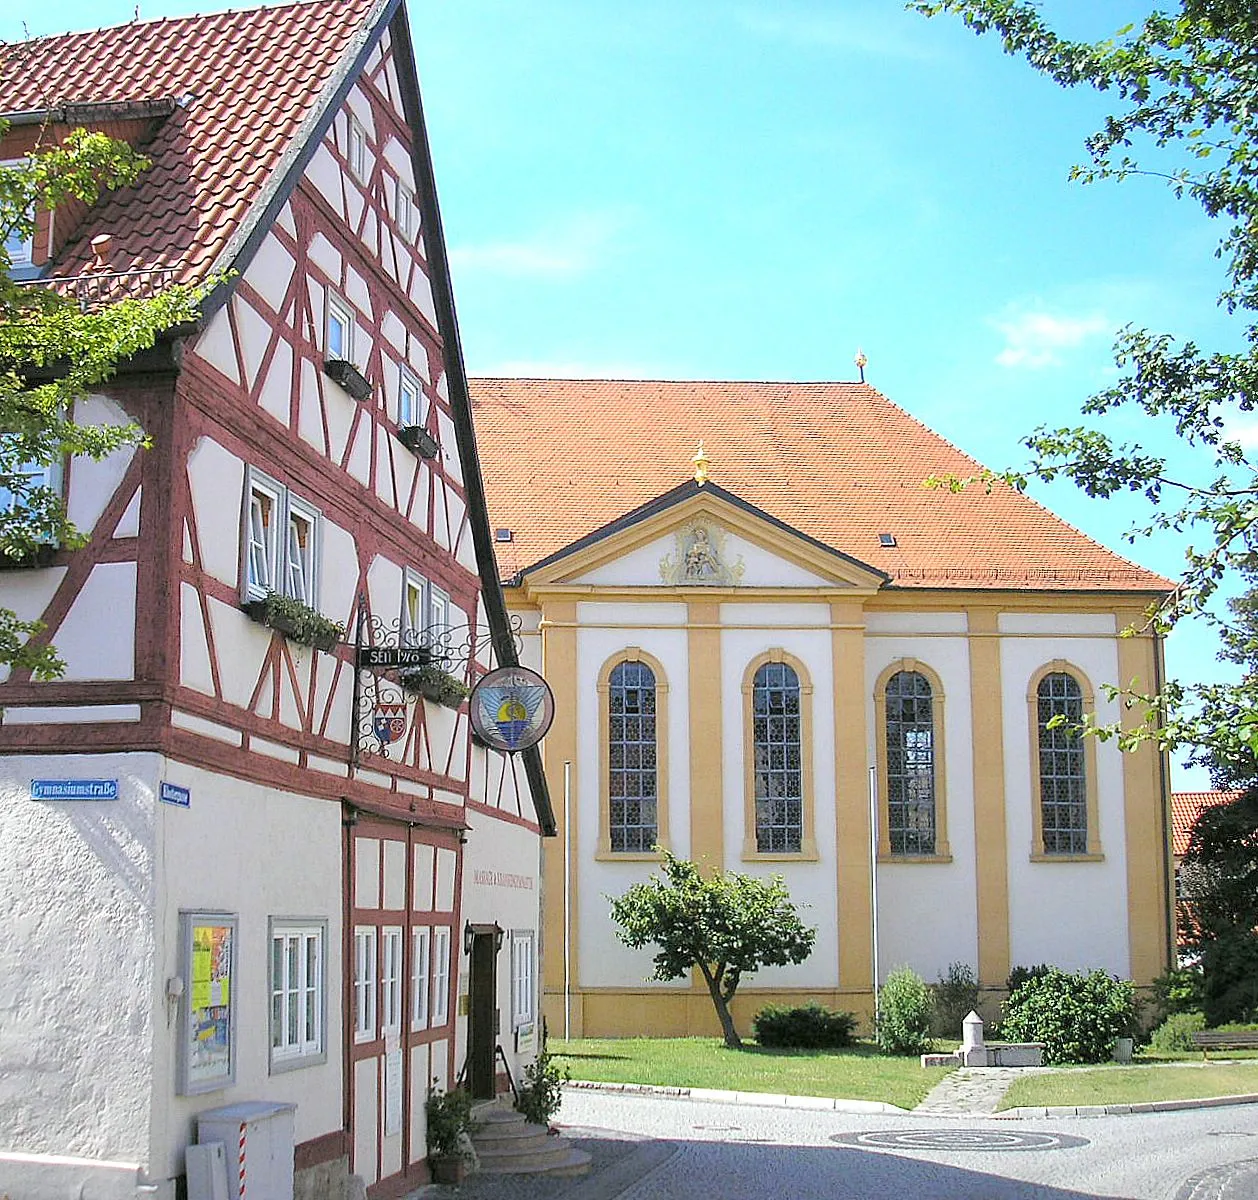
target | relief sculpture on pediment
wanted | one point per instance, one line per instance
(700, 559)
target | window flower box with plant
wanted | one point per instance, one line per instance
(434, 684)
(296, 620)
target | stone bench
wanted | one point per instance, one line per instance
(974, 1052)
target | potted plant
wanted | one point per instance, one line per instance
(431, 682)
(450, 1129)
(418, 440)
(296, 620)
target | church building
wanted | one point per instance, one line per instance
(775, 651)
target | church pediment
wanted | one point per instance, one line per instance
(704, 539)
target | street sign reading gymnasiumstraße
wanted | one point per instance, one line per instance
(511, 709)
(74, 789)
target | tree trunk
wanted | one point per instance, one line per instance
(732, 1040)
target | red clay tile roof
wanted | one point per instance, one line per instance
(1184, 809)
(837, 461)
(244, 81)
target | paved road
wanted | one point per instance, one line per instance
(746, 1152)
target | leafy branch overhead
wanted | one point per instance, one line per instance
(725, 924)
(52, 355)
(1185, 84)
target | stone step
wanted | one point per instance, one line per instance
(506, 1147)
(556, 1158)
(501, 1131)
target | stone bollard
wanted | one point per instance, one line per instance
(973, 1051)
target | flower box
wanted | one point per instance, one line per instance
(296, 620)
(434, 684)
(418, 440)
(341, 371)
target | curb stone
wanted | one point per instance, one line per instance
(826, 1104)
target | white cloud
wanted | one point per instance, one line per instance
(1243, 431)
(1035, 339)
(563, 248)
(850, 31)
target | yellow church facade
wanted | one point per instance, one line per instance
(790, 657)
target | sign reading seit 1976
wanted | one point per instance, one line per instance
(394, 656)
(74, 789)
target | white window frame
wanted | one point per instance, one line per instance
(276, 546)
(437, 617)
(356, 150)
(344, 313)
(421, 973)
(414, 625)
(307, 991)
(409, 411)
(391, 979)
(21, 254)
(40, 475)
(407, 212)
(365, 983)
(301, 582)
(523, 972)
(440, 975)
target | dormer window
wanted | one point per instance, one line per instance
(19, 246)
(357, 150)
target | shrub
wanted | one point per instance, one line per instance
(1020, 975)
(955, 996)
(1178, 991)
(1076, 1016)
(904, 1014)
(809, 1026)
(540, 1092)
(1175, 1033)
(450, 1123)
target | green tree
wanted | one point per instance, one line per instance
(1220, 894)
(725, 924)
(1185, 84)
(52, 354)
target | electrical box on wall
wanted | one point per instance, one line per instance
(257, 1139)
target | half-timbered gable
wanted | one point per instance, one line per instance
(315, 829)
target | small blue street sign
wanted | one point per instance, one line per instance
(74, 789)
(172, 793)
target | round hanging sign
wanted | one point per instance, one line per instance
(512, 708)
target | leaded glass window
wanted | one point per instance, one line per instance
(778, 760)
(910, 764)
(1063, 783)
(633, 821)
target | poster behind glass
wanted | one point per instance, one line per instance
(208, 1029)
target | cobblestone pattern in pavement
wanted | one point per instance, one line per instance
(971, 1091)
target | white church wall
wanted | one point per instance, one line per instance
(603, 961)
(927, 916)
(811, 884)
(1054, 906)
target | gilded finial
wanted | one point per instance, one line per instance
(702, 462)
(861, 362)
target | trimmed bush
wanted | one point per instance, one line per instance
(1175, 1033)
(904, 1014)
(955, 996)
(1178, 991)
(1020, 975)
(809, 1026)
(1077, 1016)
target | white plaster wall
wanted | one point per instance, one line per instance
(602, 959)
(914, 622)
(217, 481)
(502, 884)
(927, 913)
(1073, 915)
(28, 594)
(92, 482)
(761, 568)
(811, 884)
(1057, 623)
(76, 963)
(260, 853)
(93, 653)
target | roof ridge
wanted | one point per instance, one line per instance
(223, 14)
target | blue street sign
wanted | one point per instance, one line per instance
(172, 793)
(74, 789)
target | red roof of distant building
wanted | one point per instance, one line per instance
(244, 84)
(1185, 807)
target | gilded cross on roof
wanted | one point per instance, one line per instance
(702, 462)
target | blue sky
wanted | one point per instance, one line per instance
(729, 189)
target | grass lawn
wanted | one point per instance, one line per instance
(1133, 1085)
(857, 1073)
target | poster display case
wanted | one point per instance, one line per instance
(209, 943)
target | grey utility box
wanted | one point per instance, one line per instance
(257, 1139)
